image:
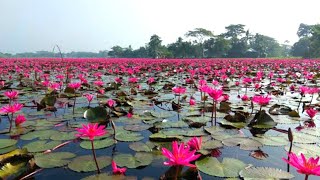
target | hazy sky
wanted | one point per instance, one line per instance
(93, 25)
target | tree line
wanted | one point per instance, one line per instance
(235, 42)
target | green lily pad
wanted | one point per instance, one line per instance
(141, 147)
(262, 120)
(128, 136)
(162, 137)
(63, 136)
(162, 114)
(238, 125)
(7, 149)
(96, 114)
(137, 127)
(52, 160)
(98, 144)
(211, 144)
(7, 143)
(228, 168)
(86, 163)
(169, 124)
(129, 161)
(272, 140)
(245, 143)
(39, 146)
(41, 134)
(264, 173)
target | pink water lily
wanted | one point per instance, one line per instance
(261, 100)
(311, 112)
(179, 90)
(11, 108)
(180, 155)
(91, 131)
(111, 103)
(20, 119)
(303, 165)
(195, 143)
(116, 170)
(11, 94)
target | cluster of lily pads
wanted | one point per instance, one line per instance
(109, 118)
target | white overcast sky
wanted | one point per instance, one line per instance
(93, 25)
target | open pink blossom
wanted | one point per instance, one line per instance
(98, 83)
(151, 80)
(89, 97)
(11, 94)
(133, 80)
(111, 103)
(304, 90)
(129, 115)
(195, 143)
(215, 94)
(116, 170)
(179, 90)
(261, 100)
(311, 112)
(20, 119)
(180, 155)
(91, 131)
(305, 166)
(75, 86)
(11, 108)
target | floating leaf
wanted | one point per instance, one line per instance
(137, 127)
(228, 168)
(52, 160)
(87, 164)
(258, 154)
(7, 143)
(262, 120)
(211, 144)
(7, 149)
(237, 125)
(96, 114)
(272, 140)
(141, 147)
(98, 144)
(162, 114)
(39, 146)
(162, 137)
(129, 161)
(265, 173)
(41, 134)
(63, 136)
(169, 124)
(245, 143)
(128, 136)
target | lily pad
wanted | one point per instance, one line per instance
(128, 136)
(264, 173)
(39, 146)
(63, 136)
(7, 143)
(229, 167)
(129, 161)
(137, 127)
(105, 176)
(162, 114)
(245, 143)
(52, 160)
(169, 124)
(41, 134)
(96, 114)
(87, 164)
(141, 147)
(98, 144)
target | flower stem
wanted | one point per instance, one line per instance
(306, 177)
(299, 104)
(10, 121)
(74, 103)
(94, 157)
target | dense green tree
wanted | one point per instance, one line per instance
(116, 51)
(315, 41)
(154, 46)
(200, 34)
(265, 46)
(301, 48)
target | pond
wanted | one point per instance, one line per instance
(156, 102)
